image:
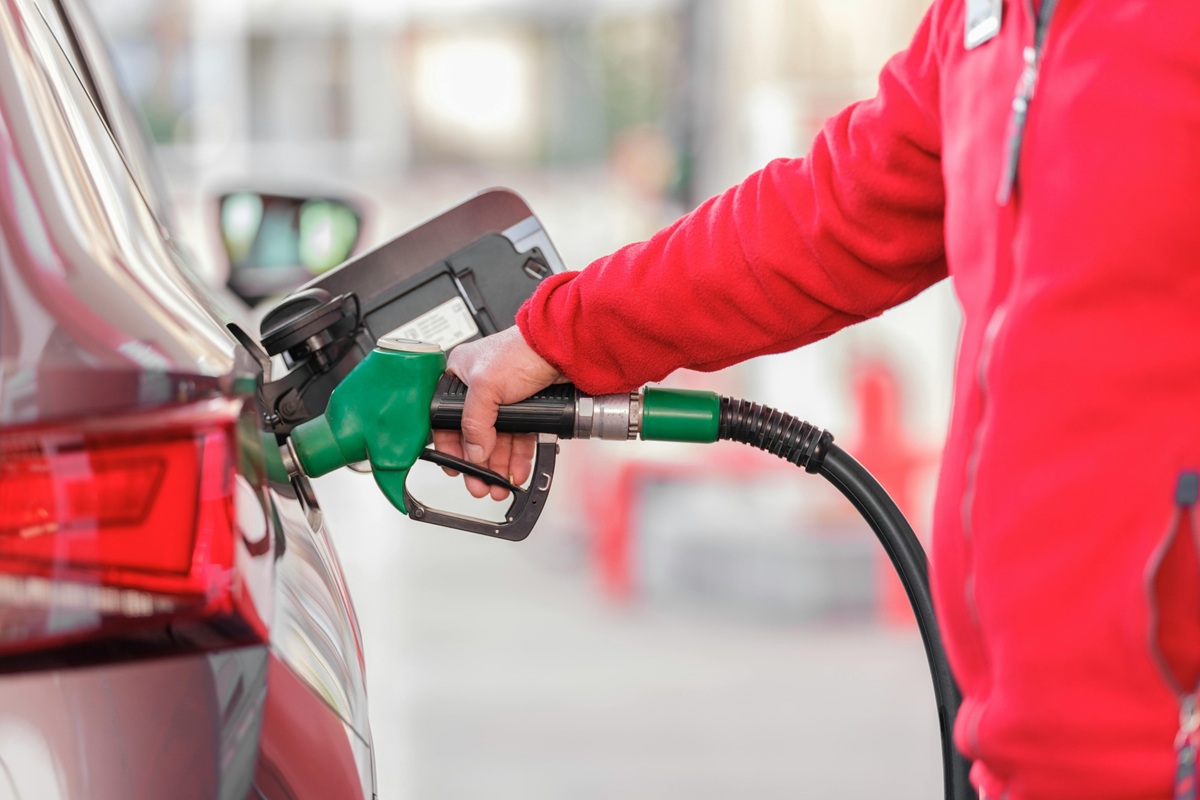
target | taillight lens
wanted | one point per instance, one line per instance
(125, 525)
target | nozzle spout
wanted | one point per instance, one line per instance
(315, 446)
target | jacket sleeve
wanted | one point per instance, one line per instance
(800, 249)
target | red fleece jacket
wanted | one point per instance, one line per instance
(1077, 399)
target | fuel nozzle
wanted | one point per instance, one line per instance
(380, 413)
(384, 410)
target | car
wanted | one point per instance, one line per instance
(174, 621)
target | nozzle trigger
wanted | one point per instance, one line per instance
(468, 468)
(527, 504)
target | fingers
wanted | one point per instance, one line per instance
(476, 487)
(521, 458)
(512, 458)
(499, 463)
(450, 443)
(501, 368)
(480, 408)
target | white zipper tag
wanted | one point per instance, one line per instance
(983, 21)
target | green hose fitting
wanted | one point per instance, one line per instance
(680, 415)
(378, 413)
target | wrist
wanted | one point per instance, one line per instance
(535, 319)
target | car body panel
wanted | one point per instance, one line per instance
(295, 721)
(177, 727)
(102, 318)
(315, 631)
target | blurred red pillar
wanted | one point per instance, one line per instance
(612, 541)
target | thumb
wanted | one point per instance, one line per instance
(480, 408)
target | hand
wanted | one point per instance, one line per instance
(497, 369)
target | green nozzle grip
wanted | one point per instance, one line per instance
(378, 413)
(680, 415)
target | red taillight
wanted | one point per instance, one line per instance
(48, 492)
(122, 523)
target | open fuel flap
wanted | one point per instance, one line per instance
(457, 277)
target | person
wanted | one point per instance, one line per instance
(1053, 172)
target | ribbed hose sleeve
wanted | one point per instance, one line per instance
(775, 432)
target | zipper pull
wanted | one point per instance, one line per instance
(1185, 749)
(1016, 123)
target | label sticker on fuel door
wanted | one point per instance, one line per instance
(446, 325)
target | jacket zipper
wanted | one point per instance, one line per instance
(995, 323)
(1023, 96)
(1187, 739)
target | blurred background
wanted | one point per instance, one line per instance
(682, 623)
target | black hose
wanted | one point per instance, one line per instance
(813, 449)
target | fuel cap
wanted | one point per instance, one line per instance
(304, 315)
